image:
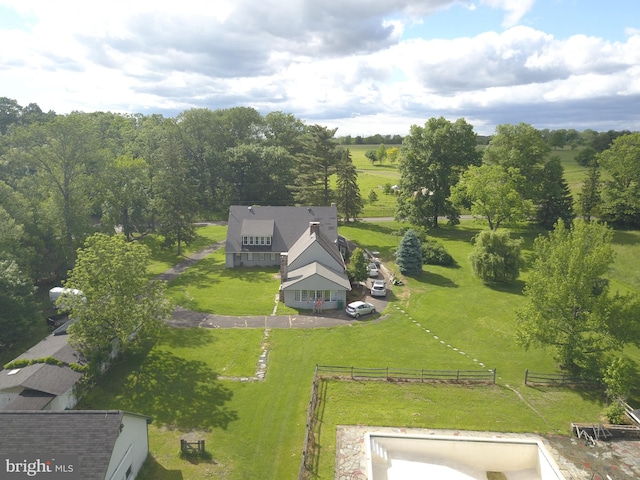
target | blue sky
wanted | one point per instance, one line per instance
(365, 66)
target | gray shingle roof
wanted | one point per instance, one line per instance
(289, 224)
(88, 435)
(56, 346)
(29, 400)
(50, 379)
(340, 279)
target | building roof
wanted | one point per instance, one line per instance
(56, 346)
(29, 400)
(288, 224)
(52, 379)
(257, 227)
(296, 276)
(42, 377)
(306, 240)
(87, 436)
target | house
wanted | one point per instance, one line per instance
(304, 241)
(83, 444)
(257, 235)
(42, 386)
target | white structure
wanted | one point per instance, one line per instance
(414, 457)
(93, 444)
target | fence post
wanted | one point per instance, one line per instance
(387, 373)
(422, 375)
(526, 376)
(457, 375)
(351, 372)
(494, 375)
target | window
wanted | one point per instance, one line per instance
(268, 240)
(296, 295)
(304, 297)
(262, 241)
(334, 295)
(274, 257)
(129, 473)
(250, 240)
(249, 256)
(261, 256)
(245, 240)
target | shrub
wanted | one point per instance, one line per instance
(615, 413)
(434, 253)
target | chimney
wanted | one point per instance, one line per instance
(314, 227)
(284, 260)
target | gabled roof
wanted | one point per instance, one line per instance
(88, 436)
(306, 240)
(41, 377)
(30, 400)
(340, 279)
(288, 224)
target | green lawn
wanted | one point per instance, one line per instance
(208, 286)
(164, 258)
(256, 429)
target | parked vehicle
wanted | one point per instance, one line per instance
(356, 309)
(373, 270)
(378, 289)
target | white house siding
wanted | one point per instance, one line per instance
(7, 396)
(130, 450)
(315, 253)
(65, 401)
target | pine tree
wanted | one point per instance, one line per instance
(409, 254)
(348, 198)
(589, 196)
(556, 202)
(315, 167)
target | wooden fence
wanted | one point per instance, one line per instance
(310, 452)
(554, 379)
(408, 375)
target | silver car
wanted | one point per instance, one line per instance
(358, 308)
(378, 289)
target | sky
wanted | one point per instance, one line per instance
(364, 66)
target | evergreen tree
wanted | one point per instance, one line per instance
(409, 254)
(348, 198)
(315, 166)
(589, 195)
(556, 202)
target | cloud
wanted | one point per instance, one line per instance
(344, 62)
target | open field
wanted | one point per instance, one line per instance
(256, 429)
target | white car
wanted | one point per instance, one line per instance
(358, 308)
(378, 289)
(373, 270)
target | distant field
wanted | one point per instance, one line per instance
(374, 177)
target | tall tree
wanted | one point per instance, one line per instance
(433, 158)
(491, 192)
(124, 193)
(568, 305)
(555, 200)
(284, 130)
(348, 198)
(120, 308)
(589, 196)
(315, 166)
(621, 194)
(18, 302)
(64, 158)
(175, 190)
(522, 147)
